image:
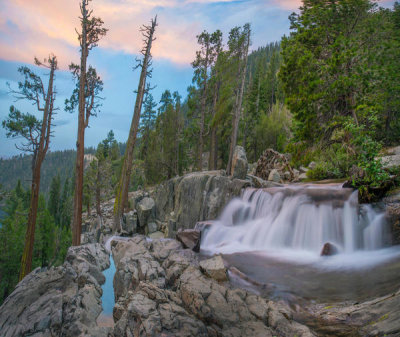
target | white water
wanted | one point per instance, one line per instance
(295, 222)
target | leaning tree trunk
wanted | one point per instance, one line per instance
(26, 262)
(44, 140)
(121, 198)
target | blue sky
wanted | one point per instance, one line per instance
(31, 28)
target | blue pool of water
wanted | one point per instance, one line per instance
(107, 298)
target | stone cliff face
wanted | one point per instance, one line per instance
(183, 201)
(62, 301)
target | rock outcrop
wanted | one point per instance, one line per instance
(161, 291)
(239, 163)
(62, 301)
(183, 201)
(273, 160)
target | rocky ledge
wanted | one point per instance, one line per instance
(63, 301)
(162, 289)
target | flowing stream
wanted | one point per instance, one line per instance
(275, 236)
(108, 298)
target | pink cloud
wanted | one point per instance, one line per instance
(43, 26)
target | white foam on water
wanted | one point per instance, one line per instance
(294, 222)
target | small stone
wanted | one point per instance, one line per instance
(156, 235)
(214, 268)
(312, 165)
(274, 176)
(303, 176)
(303, 169)
(152, 227)
(329, 249)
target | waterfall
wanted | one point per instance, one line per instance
(297, 218)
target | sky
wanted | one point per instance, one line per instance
(36, 28)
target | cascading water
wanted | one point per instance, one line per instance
(275, 236)
(297, 219)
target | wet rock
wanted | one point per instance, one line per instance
(274, 176)
(145, 209)
(239, 163)
(214, 268)
(260, 183)
(329, 249)
(190, 238)
(377, 317)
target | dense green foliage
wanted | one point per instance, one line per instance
(52, 236)
(340, 75)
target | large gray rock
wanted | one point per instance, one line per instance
(239, 163)
(390, 161)
(129, 223)
(145, 211)
(182, 202)
(190, 238)
(62, 301)
(214, 268)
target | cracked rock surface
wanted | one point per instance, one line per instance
(62, 301)
(161, 291)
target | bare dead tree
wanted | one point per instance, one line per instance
(121, 198)
(37, 136)
(87, 98)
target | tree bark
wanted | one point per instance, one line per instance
(212, 161)
(80, 143)
(203, 109)
(27, 255)
(98, 192)
(121, 198)
(238, 105)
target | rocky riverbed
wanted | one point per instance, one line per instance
(163, 288)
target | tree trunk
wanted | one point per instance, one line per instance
(80, 143)
(121, 198)
(212, 161)
(26, 262)
(98, 192)
(238, 107)
(203, 111)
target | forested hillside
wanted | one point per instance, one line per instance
(57, 163)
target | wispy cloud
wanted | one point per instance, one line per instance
(29, 28)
